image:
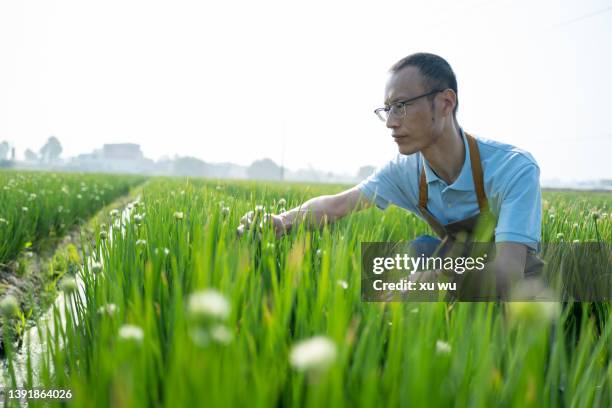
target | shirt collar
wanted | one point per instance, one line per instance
(465, 181)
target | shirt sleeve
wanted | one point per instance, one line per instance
(520, 215)
(381, 187)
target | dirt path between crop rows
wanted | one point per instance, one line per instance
(33, 276)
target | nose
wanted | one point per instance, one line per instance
(392, 122)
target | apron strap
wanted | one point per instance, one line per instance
(477, 176)
(423, 188)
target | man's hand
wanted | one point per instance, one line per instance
(255, 219)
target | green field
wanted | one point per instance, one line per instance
(176, 310)
(35, 206)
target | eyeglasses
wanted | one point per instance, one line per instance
(398, 109)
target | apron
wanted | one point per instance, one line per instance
(478, 228)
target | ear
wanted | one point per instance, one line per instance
(450, 101)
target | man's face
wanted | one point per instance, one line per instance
(420, 127)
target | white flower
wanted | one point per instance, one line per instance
(108, 309)
(576, 241)
(141, 242)
(114, 213)
(129, 332)
(3, 221)
(178, 215)
(96, 267)
(138, 218)
(313, 354)
(442, 347)
(32, 196)
(166, 251)
(342, 283)
(282, 202)
(560, 236)
(24, 209)
(68, 285)
(225, 211)
(208, 303)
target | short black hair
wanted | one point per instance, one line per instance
(436, 71)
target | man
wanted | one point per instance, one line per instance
(444, 175)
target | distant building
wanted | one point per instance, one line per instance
(113, 158)
(122, 151)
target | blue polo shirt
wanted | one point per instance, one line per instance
(511, 183)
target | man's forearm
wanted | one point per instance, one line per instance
(314, 212)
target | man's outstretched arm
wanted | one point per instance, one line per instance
(315, 212)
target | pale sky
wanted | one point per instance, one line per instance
(229, 80)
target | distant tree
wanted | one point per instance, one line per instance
(4, 150)
(264, 169)
(365, 171)
(51, 151)
(30, 155)
(190, 166)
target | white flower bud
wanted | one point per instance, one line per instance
(68, 285)
(442, 347)
(316, 353)
(208, 303)
(108, 309)
(96, 267)
(129, 332)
